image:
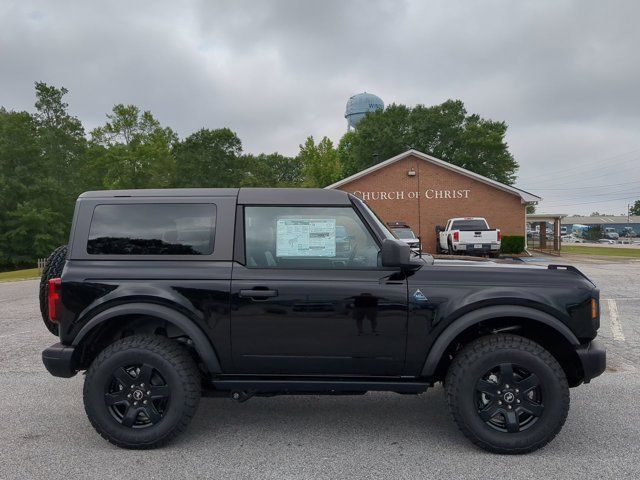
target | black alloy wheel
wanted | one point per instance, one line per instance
(142, 391)
(509, 398)
(137, 396)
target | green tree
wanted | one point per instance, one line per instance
(593, 233)
(321, 164)
(271, 170)
(445, 131)
(209, 158)
(131, 150)
(19, 156)
(38, 182)
(62, 142)
(635, 208)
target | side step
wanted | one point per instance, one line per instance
(286, 386)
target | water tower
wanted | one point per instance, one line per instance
(359, 105)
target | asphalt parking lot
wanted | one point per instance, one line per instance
(44, 432)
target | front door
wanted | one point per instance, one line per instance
(311, 298)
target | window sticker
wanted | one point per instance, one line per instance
(306, 237)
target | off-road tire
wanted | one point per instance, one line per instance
(52, 269)
(171, 360)
(467, 369)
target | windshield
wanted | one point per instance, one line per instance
(387, 233)
(469, 225)
(404, 233)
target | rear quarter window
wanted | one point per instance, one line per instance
(152, 229)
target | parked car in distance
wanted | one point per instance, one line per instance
(607, 241)
(468, 235)
(163, 296)
(611, 233)
(628, 232)
(404, 233)
(571, 239)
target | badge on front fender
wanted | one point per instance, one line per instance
(419, 296)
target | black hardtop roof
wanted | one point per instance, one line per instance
(245, 196)
(292, 196)
(163, 192)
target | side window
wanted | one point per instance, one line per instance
(152, 229)
(308, 237)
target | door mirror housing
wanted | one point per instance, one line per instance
(397, 254)
(439, 228)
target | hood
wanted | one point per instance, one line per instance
(497, 273)
(486, 264)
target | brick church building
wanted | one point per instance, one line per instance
(423, 192)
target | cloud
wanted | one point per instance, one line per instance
(563, 75)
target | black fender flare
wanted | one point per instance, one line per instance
(201, 343)
(443, 341)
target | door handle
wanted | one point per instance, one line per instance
(257, 294)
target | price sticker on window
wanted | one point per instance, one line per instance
(306, 237)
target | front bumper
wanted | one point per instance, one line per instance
(593, 357)
(58, 360)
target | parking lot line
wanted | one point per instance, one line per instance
(616, 327)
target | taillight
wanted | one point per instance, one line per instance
(55, 299)
(499, 236)
(456, 236)
(594, 308)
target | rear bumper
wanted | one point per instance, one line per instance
(58, 360)
(593, 357)
(482, 247)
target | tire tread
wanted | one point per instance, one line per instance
(472, 353)
(174, 353)
(53, 267)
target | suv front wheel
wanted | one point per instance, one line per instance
(507, 394)
(142, 391)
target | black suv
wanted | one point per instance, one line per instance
(166, 295)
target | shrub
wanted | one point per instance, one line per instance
(512, 244)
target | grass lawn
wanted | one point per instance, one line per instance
(601, 251)
(19, 275)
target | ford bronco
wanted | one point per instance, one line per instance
(163, 296)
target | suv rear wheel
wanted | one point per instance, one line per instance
(142, 391)
(507, 394)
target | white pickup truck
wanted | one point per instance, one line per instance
(470, 235)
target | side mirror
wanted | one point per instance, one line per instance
(397, 254)
(439, 228)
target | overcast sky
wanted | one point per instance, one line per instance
(564, 75)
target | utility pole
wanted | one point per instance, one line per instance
(628, 213)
